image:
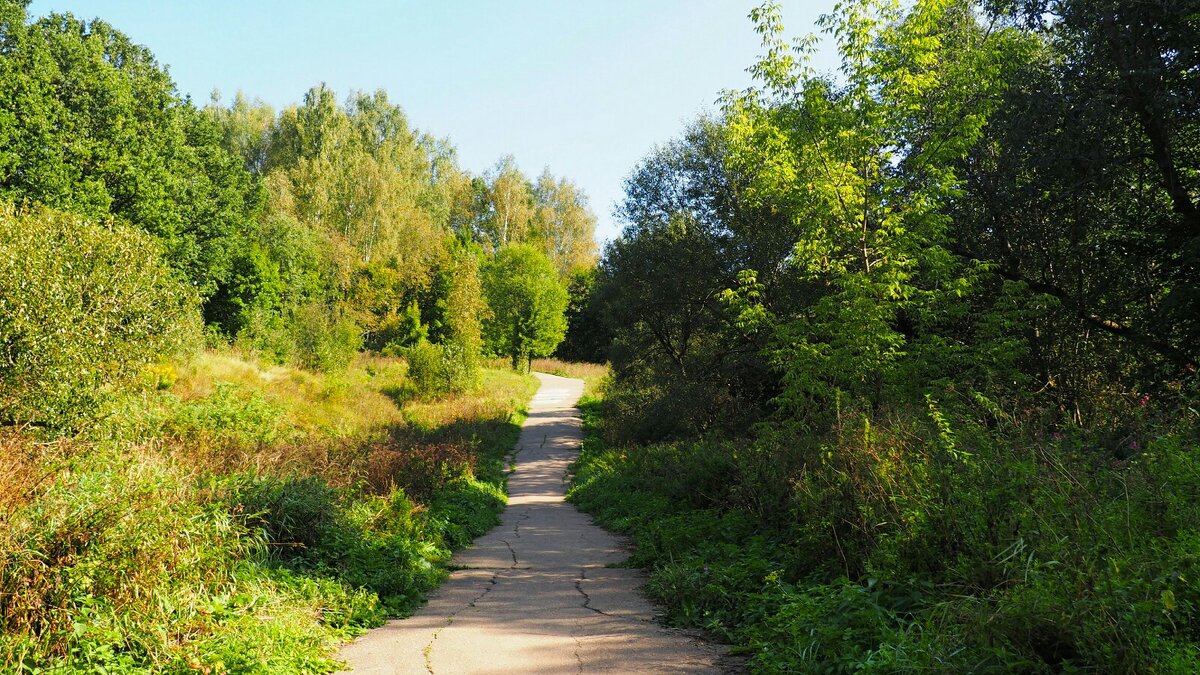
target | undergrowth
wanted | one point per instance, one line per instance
(231, 517)
(910, 543)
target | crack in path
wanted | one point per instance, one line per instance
(525, 515)
(492, 582)
(428, 651)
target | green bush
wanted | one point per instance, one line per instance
(327, 338)
(439, 369)
(83, 308)
(916, 542)
(268, 335)
(381, 543)
(294, 513)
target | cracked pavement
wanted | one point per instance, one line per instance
(534, 595)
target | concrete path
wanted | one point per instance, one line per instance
(534, 595)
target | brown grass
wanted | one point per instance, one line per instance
(26, 466)
(592, 374)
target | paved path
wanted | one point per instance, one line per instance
(534, 595)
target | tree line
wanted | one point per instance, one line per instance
(302, 235)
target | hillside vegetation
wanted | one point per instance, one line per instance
(905, 355)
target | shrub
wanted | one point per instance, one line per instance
(327, 338)
(439, 369)
(83, 308)
(267, 335)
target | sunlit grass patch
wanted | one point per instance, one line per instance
(592, 374)
(340, 404)
(233, 517)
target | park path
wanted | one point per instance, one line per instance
(533, 595)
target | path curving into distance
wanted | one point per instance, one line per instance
(533, 595)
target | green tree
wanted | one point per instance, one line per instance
(246, 129)
(564, 225)
(689, 230)
(527, 304)
(865, 167)
(508, 207)
(588, 336)
(92, 124)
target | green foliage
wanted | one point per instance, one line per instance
(83, 308)
(972, 322)
(455, 323)
(327, 338)
(212, 527)
(430, 367)
(527, 305)
(588, 337)
(93, 126)
(688, 232)
(883, 549)
(229, 414)
(377, 543)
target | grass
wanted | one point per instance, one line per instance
(231, 517)
(592, 374)
(361, 399)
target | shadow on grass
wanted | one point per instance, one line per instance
(426, 491)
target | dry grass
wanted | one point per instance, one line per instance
(502, 390)
(592, 374)
(338, 405)
(26, 466)
(349, 427)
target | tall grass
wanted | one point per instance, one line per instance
(235, 517)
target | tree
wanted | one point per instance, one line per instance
(563, 225)
(509, 206)
(1088, 159)
(92, 124)
(865, 166)
(527, 302)
(588, 337)
(688, 232)
(246, 129)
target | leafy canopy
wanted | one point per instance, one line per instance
(528, 304)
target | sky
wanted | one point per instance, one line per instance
(584, 87)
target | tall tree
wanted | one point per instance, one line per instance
(94, 126)
(509, 206)
(563, 224)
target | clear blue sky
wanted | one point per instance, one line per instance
(586, 87)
